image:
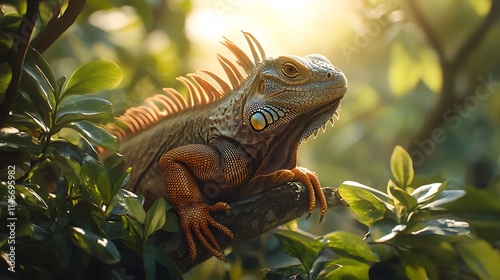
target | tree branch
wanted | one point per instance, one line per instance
(57, 26)
(432, 37)
(16, 57)
(248, 218)
(475, 38)
(450, 68)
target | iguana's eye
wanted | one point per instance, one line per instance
(290, 70)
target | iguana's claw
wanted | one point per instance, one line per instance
(313, 186)
(195, 219)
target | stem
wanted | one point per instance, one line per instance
(56, 27)
(17, 54)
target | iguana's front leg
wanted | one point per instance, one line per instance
(187, 169)
(301, 174)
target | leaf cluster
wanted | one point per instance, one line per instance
(71, 212)
(414, 232)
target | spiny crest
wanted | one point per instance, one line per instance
(200, 90)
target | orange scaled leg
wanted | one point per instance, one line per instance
(183, 168)
(313, 186)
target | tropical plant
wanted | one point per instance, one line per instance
(412, 234)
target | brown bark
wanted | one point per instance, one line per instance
(248, 218)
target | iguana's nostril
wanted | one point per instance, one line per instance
(341, 80)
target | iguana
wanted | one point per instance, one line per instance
(229, 141)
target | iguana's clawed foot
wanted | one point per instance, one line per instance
(195, 219)
(313, 186)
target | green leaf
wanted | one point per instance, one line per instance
(5, 78)
(430, 69)
(93, 109)
(346, 268)
(299, 246)
(94, 182)
(481, 7)
(413, 265)
(42, 79)
(95, 245)
(173, 224)
(93, 77)
(427, 193)
(155, 217)
(31, 197)
(367, 207)
(31, 98)
(443, 227)
(165, 260)
(404, 72)
(132, 203)
(403, 200)
(67, 149)
(25, 122)
(149, 262)
(480, 257)
(115, 165)
(289, 272)
(385, 230)
(343, 242)
(116, 228)
(445, 197)
(402, 167)
(96, 135)
(13, 140)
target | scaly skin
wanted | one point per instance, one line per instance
(237, 144)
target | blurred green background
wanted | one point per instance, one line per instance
(422, 74)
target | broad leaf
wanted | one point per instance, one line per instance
(95, 135)
(14, 140)
(413, 265)
(443, 227)
(33, 98)
(385, 230)
(445, 197)
(344, 242)
(155, 217)
(93, 77)
(116, 227)
(346, 268)
(290, 272)
(37, 68)
(95, 245)
(132, 203)
(94, 182)
(367, 207)
(5, 78)
(163, 259)
(427, 193)
(402, 167)
(93, 109)
(115, 165)
(299, 246)
(404, 199)
(173, 224)
(480, 257)
(404, 70)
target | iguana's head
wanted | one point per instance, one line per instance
(294, 96)
(286, 100)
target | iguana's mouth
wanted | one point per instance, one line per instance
(320, 119)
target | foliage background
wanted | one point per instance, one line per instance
(394, 72)
(411, 80)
